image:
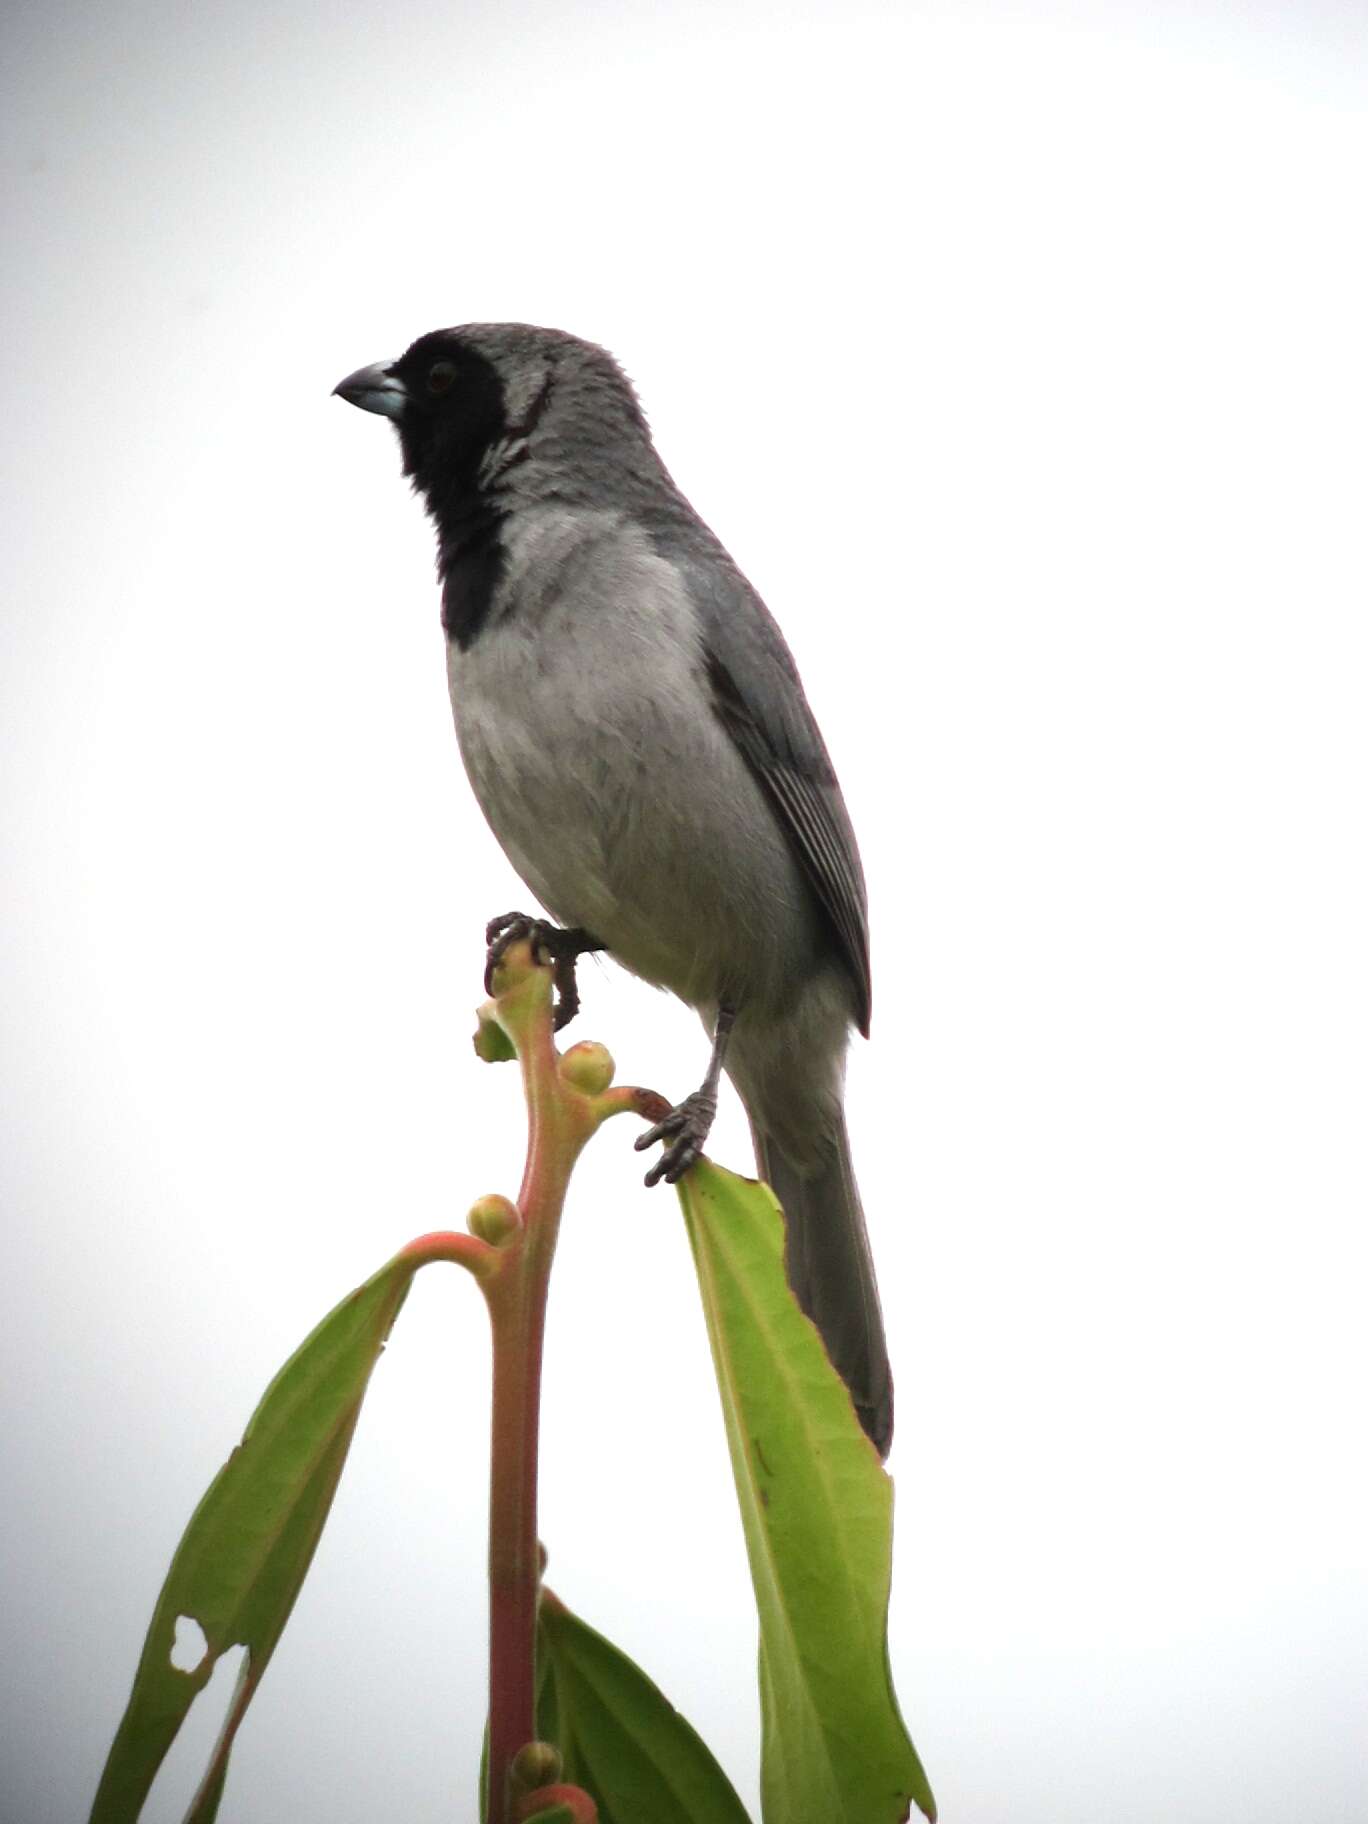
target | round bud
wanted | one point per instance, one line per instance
(535, 1764)
(494, 1219)
(588, 1067)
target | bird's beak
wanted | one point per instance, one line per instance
(374, 389)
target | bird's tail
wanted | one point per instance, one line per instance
(831, 1271)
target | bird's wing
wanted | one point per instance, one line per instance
(757, 694)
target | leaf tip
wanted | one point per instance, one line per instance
(492, 1044)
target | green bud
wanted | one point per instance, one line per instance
(494, 1219)
(588, 1067)
(536, 1764)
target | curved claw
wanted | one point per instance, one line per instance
(502, 931)
(567, 990)
(686, 1127)
(550, 944)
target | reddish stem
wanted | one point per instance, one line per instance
(560, 1120)
(514, 1570)
(514, 1278)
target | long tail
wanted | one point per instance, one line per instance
(832, 1273)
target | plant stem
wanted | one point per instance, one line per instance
(514, 1277)
(514, 1551)
(560, 1120)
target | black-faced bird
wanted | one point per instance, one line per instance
(636, 733)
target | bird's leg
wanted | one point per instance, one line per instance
(562, 946)
(688, 1126)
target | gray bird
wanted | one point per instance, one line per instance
(636, 733)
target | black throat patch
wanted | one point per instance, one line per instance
(471, 575)
(469, 502)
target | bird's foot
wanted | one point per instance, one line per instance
(686, 1128)
(556, 944)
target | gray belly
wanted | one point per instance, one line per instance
(587, 731)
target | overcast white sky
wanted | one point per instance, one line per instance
(1018, 353)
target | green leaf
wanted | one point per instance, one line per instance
(817, 1509)
(492, 1043)
(243, 1557)
(620, 1738)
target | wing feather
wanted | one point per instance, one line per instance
(807, 800)
(758, 696)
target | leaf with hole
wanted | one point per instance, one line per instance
(244, 1555)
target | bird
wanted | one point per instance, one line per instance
(634, 728)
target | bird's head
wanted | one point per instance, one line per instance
(473, 404)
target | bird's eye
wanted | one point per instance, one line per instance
(440, 376)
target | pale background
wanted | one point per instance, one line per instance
(1018, 353)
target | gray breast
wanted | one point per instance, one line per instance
(588, 733)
